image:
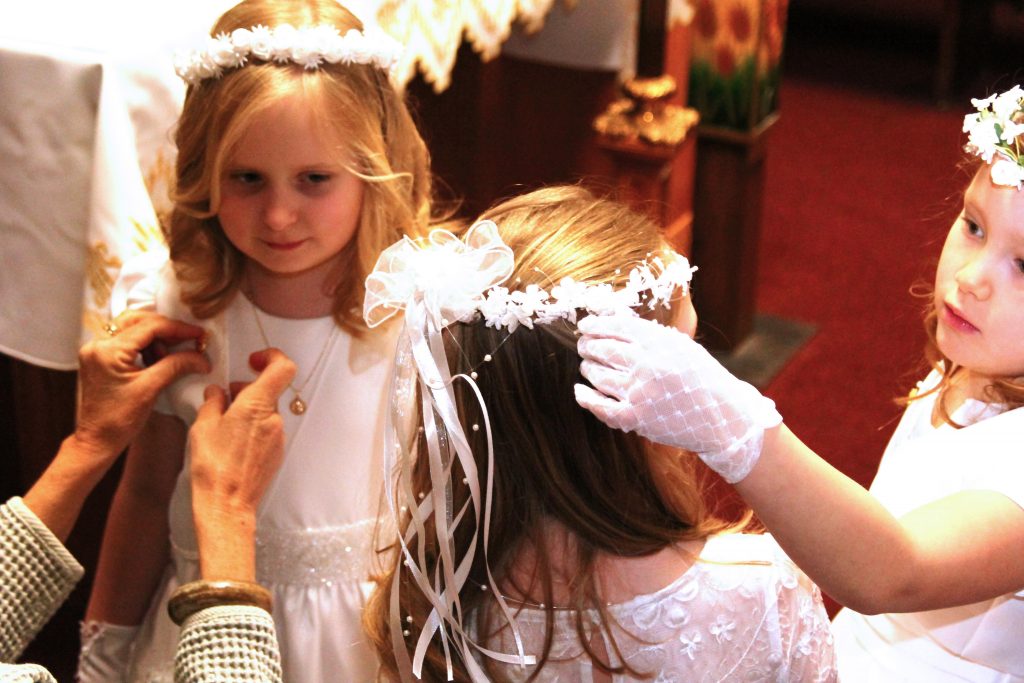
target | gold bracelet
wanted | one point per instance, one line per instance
(198, 595)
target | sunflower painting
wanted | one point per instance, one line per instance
(737, 50)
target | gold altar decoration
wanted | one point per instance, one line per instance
(646, 114)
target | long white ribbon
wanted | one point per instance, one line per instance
(421, 348)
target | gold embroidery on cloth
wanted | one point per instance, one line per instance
(432, 31)
(100, 267)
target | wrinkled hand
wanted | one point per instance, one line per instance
(237, 450)
(117, 394)
(658, 382)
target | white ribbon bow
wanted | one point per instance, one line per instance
(438, 282)
(449, 275)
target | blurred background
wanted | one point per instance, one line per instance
(805, 156)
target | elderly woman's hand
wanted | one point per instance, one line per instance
(236, 450)
(117, 393)
(116, 398)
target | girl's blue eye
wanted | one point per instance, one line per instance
(317, 178)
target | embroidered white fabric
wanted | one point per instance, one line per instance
(230, 643)
(656, 381)
(36, 575)
(743, 612)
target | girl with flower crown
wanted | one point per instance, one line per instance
(537, 543)
(298, 162)
(937, 542)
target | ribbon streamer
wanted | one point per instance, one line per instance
(437, 284)
(421, 347)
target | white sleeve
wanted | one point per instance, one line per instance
(228, 643)
(138, 283)
(996, 464)
(138, 287)
(36, 575)
(149, 283)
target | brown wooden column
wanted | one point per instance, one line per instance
(727, 230)
(657, 179)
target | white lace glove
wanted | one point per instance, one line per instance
(658, 382)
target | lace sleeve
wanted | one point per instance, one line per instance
(36, 575)
(230, 643)
(804, 629)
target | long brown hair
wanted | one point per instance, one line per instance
(355, 105)
(554, 462)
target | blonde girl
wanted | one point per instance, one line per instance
(934, 551)
(598, 544)
(297, 163)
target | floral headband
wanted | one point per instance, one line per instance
(994, 135)
(459, 280)
(437, 282)
(308, 47)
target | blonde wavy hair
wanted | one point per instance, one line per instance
(1006, 390)
(613, 493)
(355, 105)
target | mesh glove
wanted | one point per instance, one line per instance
(658, 382)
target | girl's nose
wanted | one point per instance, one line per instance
(279, 212)
(973, 278)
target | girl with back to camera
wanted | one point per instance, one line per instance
(298, 163)
(938, 545)
(533, 534)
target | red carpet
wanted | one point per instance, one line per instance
(860, 192)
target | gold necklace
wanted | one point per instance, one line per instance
(297, 405)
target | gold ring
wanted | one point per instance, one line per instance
(111, 328)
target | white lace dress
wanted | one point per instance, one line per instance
(982, 642)
(742, 612)
(316, 522)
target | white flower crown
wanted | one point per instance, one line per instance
(457, 280)
(309, 47)
(994, 135)
(437, 282)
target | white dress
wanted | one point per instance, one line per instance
(316, 522)
(982, 642)
(742, 612)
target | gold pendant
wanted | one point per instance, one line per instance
(297, 406)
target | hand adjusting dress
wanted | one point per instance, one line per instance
(316, 522)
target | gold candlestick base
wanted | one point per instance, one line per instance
(645, 113)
